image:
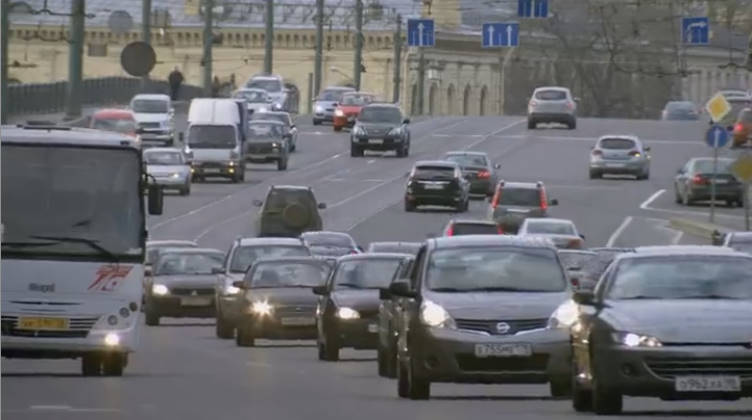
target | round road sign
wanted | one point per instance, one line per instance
(138, 58)
(717, 136)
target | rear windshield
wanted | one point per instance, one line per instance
(253, 96)
(617, 144)
(119, 126)
(211, 137)
(520, 197)
(244, 257)
(333, 95)
(468, 160)
(551, 95)
(400, 248)
(328, 239)
(474, 229)
(549, 228)
(269, 85)
(431, 172)
(163, 158)
(278, 200)
(579, 260)
(356, 99)
(680, 106)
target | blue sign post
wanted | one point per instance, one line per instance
(420, 33)
(500, 34)
(695, 31)
(716, 137)
(532, 8)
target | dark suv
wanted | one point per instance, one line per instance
(513, 202)
(288, 211)
(437, 183)
(380, 127)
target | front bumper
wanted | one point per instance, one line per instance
(722, 192)
(433, 199)
(325, 115)
(209, 168)
(178, 307)
(551, 117)
(157, 139)
(360, 334)
(383, 143)
(446, 355)
(651, 372)
(270, 156)
(272, 327)
(170, 182)
(619, 166)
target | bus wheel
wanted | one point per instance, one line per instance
(113, 365)
(91, 364)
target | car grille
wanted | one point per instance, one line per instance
(489, 327)
(673, 367)
(294, 310)
(259, 148)
(78, 327)
(149, 125)
(189, 291)
(534, 363)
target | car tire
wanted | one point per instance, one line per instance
(356, 151)
(531, 125)
(677, 198)
(560, 387)
(403, 386)
(572, 125)
(582, 399)
(113, 364)
(605, 401)
(337, 128)
(316, 122)
(418, 387)
(186, 190)
(224, 329)
(391, 359)
(382, 361)
(595, 174)
(282, 164)
(152, 319)
(410, 207)
(687, 199)
(244, 337)
(91, 364)
(328, 351)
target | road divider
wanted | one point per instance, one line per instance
(699, 229)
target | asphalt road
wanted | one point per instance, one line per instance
(183, 372)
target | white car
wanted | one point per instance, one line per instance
(258, 100)
(562, 232)
(154, 117)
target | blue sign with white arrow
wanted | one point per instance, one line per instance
(695, 30)
(420, 33)
(501, 34)
(532, 8)
(717, 136)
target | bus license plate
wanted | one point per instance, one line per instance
(708, 384)
(42, 323)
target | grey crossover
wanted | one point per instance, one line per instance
(552, 104)
(620, 155)
(513, 202)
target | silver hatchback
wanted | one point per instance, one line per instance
(552, 104)
(620, 155)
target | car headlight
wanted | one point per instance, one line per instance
(175, 175)
(319, 108)
(347, 313)
(434, 315)
(159, 289)
(261, 307)
(339, 113)
(635, 340)
(564, 316)
(262, 109)
(275, 144)
(277, 106)
(231, 290)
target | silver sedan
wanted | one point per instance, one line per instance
(168, 168)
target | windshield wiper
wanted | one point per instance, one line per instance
(92, 243)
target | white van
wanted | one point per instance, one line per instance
(214, 140)
(155, 118)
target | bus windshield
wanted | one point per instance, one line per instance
(79, 201)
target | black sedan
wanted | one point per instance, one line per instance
(694, 182)
(277, 302)
(349, 302)
(182, 284)
(670, 322)
(437, 183)
(390, 312)
(477, 168)
(330, 244)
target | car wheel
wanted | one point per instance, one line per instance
(582, 399)
(687, 199)
(91, 364)
(224, 329)
(337, 128)
(419, 388)
(186, 190)
(561, 387)
(328, 351)
(355, 151)
(572, 124)
(316, 122)
(244, 338)
(605, 401)
(152, 319)
(410, 207)
(391, 359)
(403, 385)
(595, 174)
(460, 207)
(678, 197)
(282, 164)
(382, 361)
(113, 364)
(531, 125)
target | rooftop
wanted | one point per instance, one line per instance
(65, 136)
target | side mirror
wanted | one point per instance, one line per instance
(584, 297)
(321, 206)
(497, 166)
(384, 294)
(258, 203)
(582, 236)
(402, 288)
(148, 270)
(155, 200)
(554, 202)
(218, 270)
(320, 290)
(240, 284)
(406, 121)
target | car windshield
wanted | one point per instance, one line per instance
(265, 130)
(550, 227)
(680, 106)
(152, 252)
(269, 85)
(332, 95)
(366, 273)
(551, 95)
(400, 248)
(163, 158)
(511, 196)
(212, 137)
(495, 268)
(380, 114)
(278, 200)
(125, 126)
(328, 239)
(288, 274)
(618, 144)
(150, 106)
(356, 100)
(433, 172)
(253, 96)
(271, 116)
(188, 263)
(683, 277)
(705, 166)
(474, 229)
(468, 160)
(245, 256)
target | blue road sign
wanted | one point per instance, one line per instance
(695, 30)
(500, 34)
(532, 8)
(420, 33)
(717, 136)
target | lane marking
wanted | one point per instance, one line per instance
(494, 133)
(224, 222)
(614, 236)
(583, 187)
(457, 135)
(371, 161)
(650, 199)
(677, 238)
(593, 139)
(50, 407)
(366, 191)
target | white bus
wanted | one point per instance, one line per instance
(74, 233)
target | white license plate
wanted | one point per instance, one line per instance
(721, 181)
(375, 141)
(196, 301)
(211, 170)
(373, 328)
(433, 186)
(708, 384)
(503, 350)
(615, 165)
(298, 321)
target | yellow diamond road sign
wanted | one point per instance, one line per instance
(742, 168)
(718, 107)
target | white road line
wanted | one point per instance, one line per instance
(652, 198)
(457, 135)
(614, 236)
(583, 187)
(224, 222)
(366, 191)
(494, 133)
(593, 139)
(677, 238)
(50, 407)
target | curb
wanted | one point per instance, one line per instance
(700, 229)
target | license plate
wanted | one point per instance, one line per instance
(708, 384)
(42, 323)
(196, 301)
(433, 186)
(721, 181)
(503, 350)
(298, 321)
(614, 165)
(375, 141)
(211, 170)
(373, 328)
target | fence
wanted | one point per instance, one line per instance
(50, 97)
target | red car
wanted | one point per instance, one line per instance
(349, 108)
(117, 120)
(743, 128)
